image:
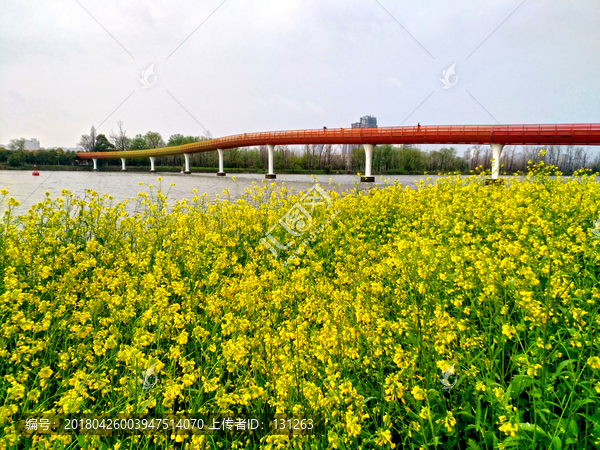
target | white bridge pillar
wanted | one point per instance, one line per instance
(95, 163)
(271, 149)
(152, 158)
(187, 163)
(368, 161)
(496, 151)
(221, 172)
(122, 164)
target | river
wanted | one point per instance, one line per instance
(30, 190)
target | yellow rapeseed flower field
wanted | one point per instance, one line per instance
(453, 315)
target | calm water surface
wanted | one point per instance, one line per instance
(30, 190)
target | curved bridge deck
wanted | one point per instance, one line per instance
(497, 136)
(565, 134)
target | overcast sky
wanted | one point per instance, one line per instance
(243, 66)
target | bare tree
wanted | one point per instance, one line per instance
(17, 144)
(529, 153)
(579, 159)
(567, 165)
(119, 139)
(487, 157)
(327, 155)
(472, 156)
(320, 151)
(88, 141)
(263, 155)
(596, 163)
(508, 158)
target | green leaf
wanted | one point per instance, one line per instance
(561, 366)
(581, 403)
(465, 413)
(525, 426)
(520, 383)
(364, 402)
(595, 419)
(472, 445)
(572, 427)
(433, 394)
(507, 394)
(146, 404)
(478, 415)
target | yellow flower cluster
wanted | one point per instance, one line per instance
(142, 306)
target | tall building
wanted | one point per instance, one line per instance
(365, 122)
(32, 144)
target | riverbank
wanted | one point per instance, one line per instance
(175, 169)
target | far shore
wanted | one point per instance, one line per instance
(174, 169)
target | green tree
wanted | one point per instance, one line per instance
(180, 139)
(103, 144)
(410, 160)
(357, 156)
(46, 157)
(138, 143)
(154, 140)
(382, 158)
(176, 139)
(17, 158)
(60, 156)
(443, 160)
(70, 157)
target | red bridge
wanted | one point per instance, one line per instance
(497, 136)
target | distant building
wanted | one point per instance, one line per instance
(365, 122)
(32, 144)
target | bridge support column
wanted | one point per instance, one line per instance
(187, 163)
(271, 175)
(496, 151)
(368, 178)
(95, 164)
(122, 164)
(152, 164)
(221, 172)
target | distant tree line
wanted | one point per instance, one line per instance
(567, 158)
(58, 157)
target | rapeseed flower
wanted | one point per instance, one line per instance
(395, 287)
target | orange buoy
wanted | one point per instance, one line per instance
(35, 172)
